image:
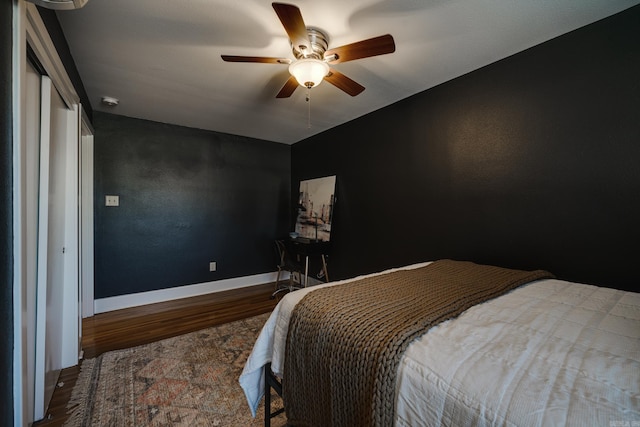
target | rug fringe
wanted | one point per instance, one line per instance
(80, 394)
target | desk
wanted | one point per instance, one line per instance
(309, 248)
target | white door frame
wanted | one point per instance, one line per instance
(28, 28)
(86, 219)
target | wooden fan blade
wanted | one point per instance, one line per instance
(293, 24)
(343, 82)
(288, 88)
(362, 49)
(259, 59)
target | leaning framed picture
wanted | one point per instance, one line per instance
(315, 208)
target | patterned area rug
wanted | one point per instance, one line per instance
(189, 380)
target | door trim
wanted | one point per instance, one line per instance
(39, 40)
(28, 27)
(86, 218)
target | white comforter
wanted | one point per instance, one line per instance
(548, 353)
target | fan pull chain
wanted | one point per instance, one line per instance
(308, 108)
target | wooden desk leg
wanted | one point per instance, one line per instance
(324, 268)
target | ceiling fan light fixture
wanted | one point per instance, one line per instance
(309, 72)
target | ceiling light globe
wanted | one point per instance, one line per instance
(309, 72)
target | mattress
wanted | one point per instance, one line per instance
(548, 353)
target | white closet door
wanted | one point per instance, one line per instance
(31, 175)
(55, 246)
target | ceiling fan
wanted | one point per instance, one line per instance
(310, 47)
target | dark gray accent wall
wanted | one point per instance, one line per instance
(6, 221)
(187, 197)
(531, 162)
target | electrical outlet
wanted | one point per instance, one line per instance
(112, 200)
(212, 266)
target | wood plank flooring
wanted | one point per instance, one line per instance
(141, 325)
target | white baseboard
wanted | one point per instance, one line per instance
(103, 305)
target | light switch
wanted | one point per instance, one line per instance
(112, 200)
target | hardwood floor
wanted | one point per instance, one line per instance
(141, 325)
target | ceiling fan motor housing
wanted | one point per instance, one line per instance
(319, 42)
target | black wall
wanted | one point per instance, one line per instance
(531, 162)
(6, 209)
(187, 197)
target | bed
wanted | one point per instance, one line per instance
(541, 352)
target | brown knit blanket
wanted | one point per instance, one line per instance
(345, 342)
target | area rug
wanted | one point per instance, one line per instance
(189, 380)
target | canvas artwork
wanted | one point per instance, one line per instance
(315, 208)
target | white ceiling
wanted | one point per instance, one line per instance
(161, 58)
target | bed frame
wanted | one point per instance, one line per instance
(270, 381)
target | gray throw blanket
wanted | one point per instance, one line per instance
(345, 342)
